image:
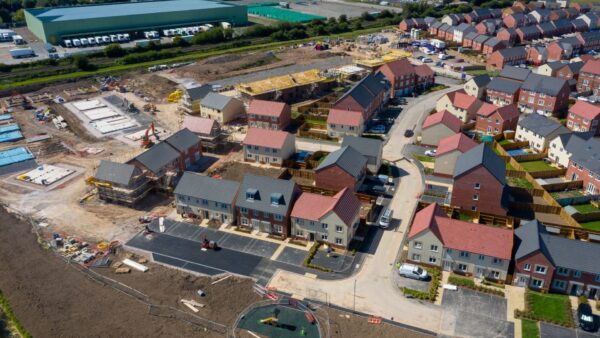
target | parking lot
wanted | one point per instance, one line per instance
(421, 285)
(554, 331)
(472, 314)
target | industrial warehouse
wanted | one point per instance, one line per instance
(52, 25)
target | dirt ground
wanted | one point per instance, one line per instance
(235, 171)
(155, 87)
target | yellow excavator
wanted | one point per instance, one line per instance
(175, 96)
(91, 180)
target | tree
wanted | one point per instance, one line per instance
(114, 50)
(82, 62)
(19, 16)
(179, 41)
(366, 16)
(343, 18)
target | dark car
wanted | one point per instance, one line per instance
(408, 133)
(587, 320)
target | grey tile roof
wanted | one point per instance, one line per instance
(183, 140)
(546, 27)
(586, 154)
(437, 24)
(471, 35)
(562, 252)
(482, 38)
(543, 84)
(590, 36)
(481, 155)
(579, 24)
(570, 40)
(513, 52)
(347, 158)
(216, 101)
(430, 20)
(113, 172)
(574, 141)
(554, 65)
(504, 85)
(515, 73)
(481, 80)
(540, 124)
(562, 23)
(463, 27)
(365, 146)
(366, 90)
(199, 92)
(576, 66)
(157, 157)
(265, 187)
(445, 27)
(529, 30)
(208, 188)
(492, 42)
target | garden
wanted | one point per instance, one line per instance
(550, 308)
(534, 166)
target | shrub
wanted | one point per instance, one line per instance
(114, 50)
(11, 318)
(179, 41)
(582, 300)
(469, 283)
(311, 254)
(83, 63)
(431, 294)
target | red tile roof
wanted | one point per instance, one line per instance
(424, 71)
(344, 117)
(199, 125)
(464, 236)
(509, 112)
(266, 108)
(458, 141)
(591, 66)
(462, 100)
(313, 206)
(398, 67)
(585, 109)
(266, 138)
(444, 117)
(486, 109)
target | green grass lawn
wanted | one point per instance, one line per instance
(533, 166)
(504, 142)
(476, 72)
(509, 166)
(594, 225)
(550, 307)
(519, 182)
(424, 158)
(530, 328)
(585, 208)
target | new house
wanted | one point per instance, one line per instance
(477, 85)
(439, 125)
(563, 49)
(468, 39)
(585, 166)
(508, 56)
(538, 130)
(265, 204)
(568, 71)
(589, 78)
(549, 262)
(585, 117)
(562, 147)
(121, 183)
(507, 35)
(460, 31)
(191, 97)
(528, 33)
(366, 96)
(515, 73)
(544, 95)
(221, 108)
(209, 131)
(492, 45)
(206, 198)
(471, 249)
(479, 42)
(343, 168)
(370, 148)
(501, 91)
(537, 55)
(515, 20)
(328, 219)
(448, 150)
(459, 104)
(479, 181)
(341, 122)
(405, 78)
(269, 114)
(267, 146)
(495, 120)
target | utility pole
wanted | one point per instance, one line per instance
(354, 298)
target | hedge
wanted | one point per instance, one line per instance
(311, 254)
(11, 318)
(470, 284)
(431, 294)
(528, 313)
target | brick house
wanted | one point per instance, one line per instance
(547, 29)
(434, 28)
(425, 77)
(566, 71)
(548, 262)
(343, 168)
(515, 73)
(405, 78)
(492, 45)
(563, 49)
(439, 125)
(515, 20)
(528, 33)
(582, 7)
(584, 117)
(460, 31)
(579, 25)
(449, 33)
(502, 92)
(591, 19)
(563, 26)
(269, 114)
(471, 249)
(562, 147)
(468, 39)
(486, 27)
(268, 146)
(407, 24)
(584, 166)
(540, 15)
(479, 181)
(544, 95)
(589, 40)
(479, 42)
(589, 77)
(537, 55)
(265, 204)
(539, 130)
(495, 120)
(558, 14)
(452, 19)
(441, 33)
(326, 219)
(459, 104)
(344, 122)
(507, 35)
(370, 148)
(448, 150)
(508, 56)
(366, 96)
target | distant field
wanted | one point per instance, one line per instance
(588, 1)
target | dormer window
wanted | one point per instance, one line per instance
(252, 194)
(277, 199)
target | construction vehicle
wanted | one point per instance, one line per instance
(91, 180)
(272, 320)
(175, 96)
(146, 142)
(149, 107)
(207, 244)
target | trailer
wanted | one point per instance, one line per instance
(68, 43)
(22, 53)
(18, 40)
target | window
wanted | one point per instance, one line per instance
(562, 271)
(576, 273)
(495, 274)
(324, 225)
(541, 102)
(249, 147)
(541, 269)
(278, 217)
(481, 257)
(274, 151)
(338, 241)
(432, 259)
(338, 228)
(256, 213)
(537, 283)
(299, 233)
(448, 251)
(417, 245)
(597, 278)
(559, 284)
(266, 214)
(477, 186)
(279, 228)
(531, 99)
(416, 257)
(276, 199)
(204, 202)
(300, 221)
(462, 267)
(475, 197)
(464, 254)
(224, 206)
(433, 248)
(497, 261)
(323, 237)
(243, 210)
(244, 221)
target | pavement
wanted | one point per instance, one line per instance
(554, 331)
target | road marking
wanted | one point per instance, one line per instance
(278, 251)
(310, 275)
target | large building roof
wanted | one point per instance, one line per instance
(60, 14)
(347, 158)
(313, 207)
(183, 140)
(543, 84)
(562, 252)
(157, 157)
(113, 172)
(540, 124)
(198, 92)
(266, 194)
(366, 90)
(208, 188)
(464, 236)
(481, 155)
(266, 138)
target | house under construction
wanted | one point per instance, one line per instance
(290, 87)
(120, 183)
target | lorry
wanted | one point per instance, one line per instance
(439, 44)
(18, 40)
(22, 53)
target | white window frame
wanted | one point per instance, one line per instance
(417, 245)
(541, 267)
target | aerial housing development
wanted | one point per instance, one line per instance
(300, 169)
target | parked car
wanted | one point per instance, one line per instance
(385, 218)
(427, 60)
(378, 129)
(430, 152)
(420, 57)
(408, 133)
(412, 271)
(587, 320)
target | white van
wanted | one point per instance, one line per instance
(68, 44)
(412, 271)
(385, 218)
(84, 42)
(113, 38)
(76, 43)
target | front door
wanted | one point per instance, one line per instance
(592, 293)
(479, 272)
(311, 236)
(447, 265)
(576, 290)
(266, 160)
(224, 219)
(522, 280)
(255, 224)
(204, 214)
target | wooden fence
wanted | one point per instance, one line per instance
(515, 173)
(548, 173)
(476, 216)
(543, 208)
(562, 186)
(578, 200)
(530, 157)
(587, 217)
(301, 173)
(515, 145)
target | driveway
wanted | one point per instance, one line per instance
(554, 331)
(467, 313)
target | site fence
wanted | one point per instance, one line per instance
(170, 312)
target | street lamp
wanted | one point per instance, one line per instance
(354, 298)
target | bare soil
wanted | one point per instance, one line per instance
(156, 88)
(235, 171)
(344, 325)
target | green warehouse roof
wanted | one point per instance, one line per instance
(122, 9)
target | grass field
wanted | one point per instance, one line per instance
(519, 182)
(530, 328)
(423, 158)
(533, 166)
(550, 307)
(595, 225)
(585, 208)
